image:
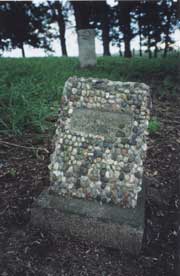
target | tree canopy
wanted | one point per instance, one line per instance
(29, 23)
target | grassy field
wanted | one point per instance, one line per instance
(31, 89)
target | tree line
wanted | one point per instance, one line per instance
(37, 25)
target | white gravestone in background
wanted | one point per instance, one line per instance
(86, 42)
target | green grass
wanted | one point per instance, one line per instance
(154, 126)
(31, 89)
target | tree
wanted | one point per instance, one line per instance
(178, 10)
(156, 21)
(115, 33)
(58, 14)
(169, 21)
(105, 25)
(139, 19)
(3, 42)
(22, 23)
(101, 19)
(147, 14)
(82, 13)
(125, 9)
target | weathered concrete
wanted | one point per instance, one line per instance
(86, 42)
(108, 225)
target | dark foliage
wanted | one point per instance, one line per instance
(57, 13)
(27, 23)
(22, 23)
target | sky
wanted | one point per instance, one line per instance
(72, 45)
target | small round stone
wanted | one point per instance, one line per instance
(126, 169)
(70, 111)
(107, 174)
(121, 176)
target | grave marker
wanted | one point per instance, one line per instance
(86, 43)
(96, 168)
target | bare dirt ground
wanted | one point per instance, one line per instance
(31, 251)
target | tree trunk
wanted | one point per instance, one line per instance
(125, 8)
(178, 10)
(82, 14)
(105, 38)
(22, 50)
(149, 43)
(140, 46)
(105, 29)
(62, 27)
(127, 36)
(156, 51)
(167, 35)
(140, 37)
(127, 52)
(165, 49)
(63, 47)
(120, 51)
(149, 51)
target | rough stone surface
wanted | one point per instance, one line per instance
(100, 141)
(86, 42)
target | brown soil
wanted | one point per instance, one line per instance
(30, 251)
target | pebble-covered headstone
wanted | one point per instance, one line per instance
(100, 141)
(96, 167)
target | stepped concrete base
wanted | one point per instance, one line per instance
(108, 225)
